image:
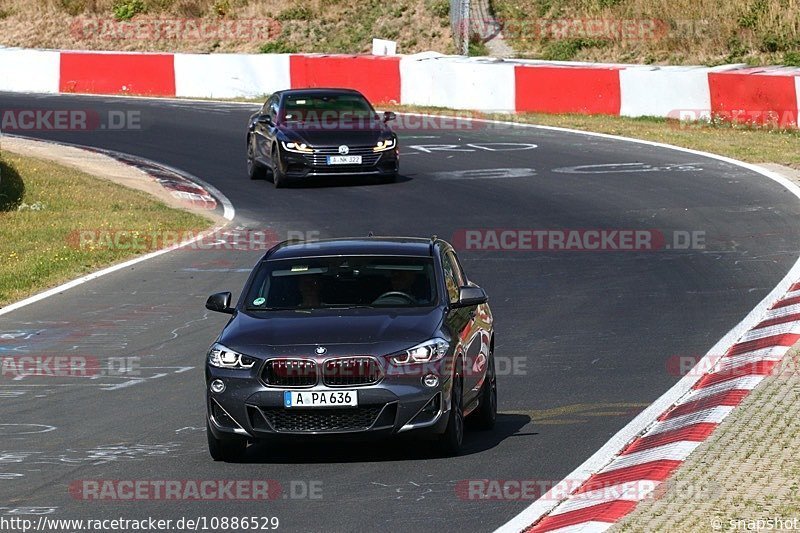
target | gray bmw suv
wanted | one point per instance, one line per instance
(348, 338)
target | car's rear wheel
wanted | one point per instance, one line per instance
(485, 415)
(278, 174)
(225, 449)
(254, 170)
(450, 441)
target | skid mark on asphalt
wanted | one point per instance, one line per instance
(580, 413)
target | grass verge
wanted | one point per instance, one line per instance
(43, 205)
(750, 144)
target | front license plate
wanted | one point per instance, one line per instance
(344, 159)
(336, 398)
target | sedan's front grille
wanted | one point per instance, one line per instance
(310, 420)
(352, 150)
(290, 373)
(348, 371)
(319, 160)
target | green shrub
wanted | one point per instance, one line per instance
(127, 9)
(440, 8)
(567, 49)
(74, 7)
(278, 46)
(296, 13)
(477, 48)
(791, 58)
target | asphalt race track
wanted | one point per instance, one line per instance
(588, 339)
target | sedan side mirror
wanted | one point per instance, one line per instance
(264, 119)
(389, 115)
(220, 302)
(469, 296)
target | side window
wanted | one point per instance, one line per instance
(457, 270)
(450, 278)
(273, 109)
(265, 107)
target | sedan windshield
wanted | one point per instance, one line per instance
(323, 108)
(341, 282)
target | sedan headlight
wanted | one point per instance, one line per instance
(297, 147)
(386, 144)
(222, 357)
(427, 352)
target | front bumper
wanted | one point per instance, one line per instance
(309, 165)
(395, 405)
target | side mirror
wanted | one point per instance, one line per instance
(220, 302)
(469, 296)
(389, 115)
(264, 119)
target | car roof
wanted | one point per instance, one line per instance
(318, 90)
(407, 246)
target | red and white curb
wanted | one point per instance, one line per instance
(643, 464)
(228, 214)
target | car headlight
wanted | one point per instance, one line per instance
(427, 352)
(222, 357)
(297, 147)
(386, 144)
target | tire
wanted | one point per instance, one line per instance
(228, 450)
(278, 174)
(485, 415)
(254, 170)
(449, 442)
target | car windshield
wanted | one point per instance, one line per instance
(325, 108)
(341, 282)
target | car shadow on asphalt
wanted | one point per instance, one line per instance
(378, 450)
(342, 181)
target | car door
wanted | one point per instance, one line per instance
(265, 131)
(461, 323)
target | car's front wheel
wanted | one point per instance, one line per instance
(486, 413)
(254, 170)
(278, 174)
(225, 449)
(449, 443)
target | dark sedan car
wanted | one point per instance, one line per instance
(320, 132)
(352, 337)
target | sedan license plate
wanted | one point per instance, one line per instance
(336, 398)
(344, 159)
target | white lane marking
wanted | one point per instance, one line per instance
(484, 173)
(621, 168)
(10, 430)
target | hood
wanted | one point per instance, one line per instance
(371, 330)
(315, 136)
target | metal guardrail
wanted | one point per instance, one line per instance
(472, 20)
(459, 24)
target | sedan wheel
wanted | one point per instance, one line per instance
(254, 170)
